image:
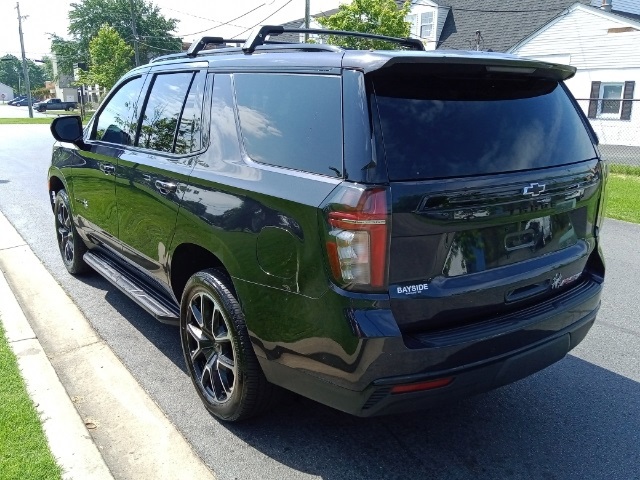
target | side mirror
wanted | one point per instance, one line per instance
(68, 129)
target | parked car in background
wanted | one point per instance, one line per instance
(54, 104)
(17, 99)
(380, 231)
(25, 102)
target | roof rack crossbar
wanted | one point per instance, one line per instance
(196, 47)
(258, 36)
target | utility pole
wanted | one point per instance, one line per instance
(307, 13)
(25, 69)
(135, 35)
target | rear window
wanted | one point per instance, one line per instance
(439, 127)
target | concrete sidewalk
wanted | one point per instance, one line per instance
(99, 422)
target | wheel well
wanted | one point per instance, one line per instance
(55, 185)
(189, 259)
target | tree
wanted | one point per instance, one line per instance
(380, 17)
(110, 58)
(11, 73)
(67, 52)
(47, 66)
(86, 17)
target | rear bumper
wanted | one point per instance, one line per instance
(478, 358)
(470, 380)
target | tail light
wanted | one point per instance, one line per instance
(357, 237)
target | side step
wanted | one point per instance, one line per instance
(160, 306)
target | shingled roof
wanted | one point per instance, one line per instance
(299, 23)
(501, 23)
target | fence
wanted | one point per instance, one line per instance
(619, 138)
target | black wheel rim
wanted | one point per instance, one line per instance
(65, 233)
(210, 348)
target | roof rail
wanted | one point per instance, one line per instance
(259, 34)
(196, 47)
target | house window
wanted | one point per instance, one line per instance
(413, 21)
(611, 100)
(610, 96)
(426, 24)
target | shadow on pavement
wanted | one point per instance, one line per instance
(573, 420)
(164, 337)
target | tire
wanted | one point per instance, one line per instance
(71, 246)
(218, 352)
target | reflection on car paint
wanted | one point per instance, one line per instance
(483, 249)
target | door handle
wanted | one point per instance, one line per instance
(165, 187)
(107, 168)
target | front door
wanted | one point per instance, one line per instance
(113, 130)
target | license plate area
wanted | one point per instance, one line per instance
(481, 249)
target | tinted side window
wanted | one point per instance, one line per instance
(118, 120)
(224, 145)
(292, 121)
(162, 111)
(189, 137)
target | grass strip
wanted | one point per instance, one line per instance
(625, 169)
(623, 197)
(26, 121)
(24, 452)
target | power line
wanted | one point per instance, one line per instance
(203, 18)
(227, 23)
(263, 20)
(158, 48)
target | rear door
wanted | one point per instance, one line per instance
(495, 184)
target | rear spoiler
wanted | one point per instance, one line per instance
(479, 61)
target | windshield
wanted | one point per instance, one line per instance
(438, 127)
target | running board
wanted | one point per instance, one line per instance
(158, 305)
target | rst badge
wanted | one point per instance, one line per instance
(558, 281)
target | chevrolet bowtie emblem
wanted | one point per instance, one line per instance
(535, 189)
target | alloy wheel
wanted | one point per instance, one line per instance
(65, 233)
(211, 348)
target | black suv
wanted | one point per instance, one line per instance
(379, 231)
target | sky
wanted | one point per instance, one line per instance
(50, 16)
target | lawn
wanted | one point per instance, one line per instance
(623, 197)
(16, 121)
(24, 452)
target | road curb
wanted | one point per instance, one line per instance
(129, 436)
(67, 436)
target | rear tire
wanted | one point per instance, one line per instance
(71, 246)
(218, 351)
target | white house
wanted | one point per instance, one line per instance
(6, 93)
(427, 18)
(605, 48)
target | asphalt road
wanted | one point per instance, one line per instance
(579, 418)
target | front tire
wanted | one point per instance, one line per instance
(218, 352)
(71, 246)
